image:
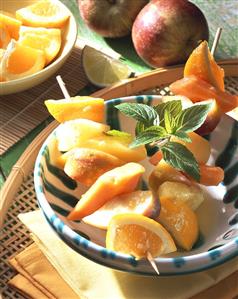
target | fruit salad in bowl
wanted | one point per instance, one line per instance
(128, 181)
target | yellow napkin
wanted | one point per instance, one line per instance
(38, 278)
(92, 281)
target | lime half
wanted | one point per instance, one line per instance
(101, 69)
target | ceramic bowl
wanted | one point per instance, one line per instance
(218, 241)
(69, 36)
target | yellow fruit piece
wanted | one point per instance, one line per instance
(47, 40)
(5, 37)
(76, 107)
(102, 70)
(43, 13)
(180, 221)
(191, 195)
(74, 133)
(11, 24)
(164, 172)
(20, 61)
(137, 202)
(86, 165)
(138, 235)
(120, 180)
(202, 64)
(117, 146)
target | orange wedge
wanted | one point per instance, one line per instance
(138, 235)
(202, 64)
(11, 24)
(19, 61)
(43, 13)
(47, 40)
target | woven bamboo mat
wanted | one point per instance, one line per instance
(22, 112)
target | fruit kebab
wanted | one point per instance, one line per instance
(204, 80)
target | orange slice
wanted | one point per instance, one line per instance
(202, 64)
(76, 107)
(12, 25)
(138, 235)
(180, 220)
(19, 61)
(43, 13)
(47, 40)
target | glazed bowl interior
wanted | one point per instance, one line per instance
(57, 194)
(68, 39)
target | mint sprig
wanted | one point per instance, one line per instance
(157, 125)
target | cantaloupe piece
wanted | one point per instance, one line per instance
(119, 180)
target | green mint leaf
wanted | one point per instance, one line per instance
(192, 118)
(173, 107)
(169, 122)
(117, 133)
(179, 157)
(140, 127)
(151, 134)
(182, 136)
(140, 112)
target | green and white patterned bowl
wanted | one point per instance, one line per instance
(57, 194)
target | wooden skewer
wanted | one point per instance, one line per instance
(63, 88)
(216, 40)
(152, 262)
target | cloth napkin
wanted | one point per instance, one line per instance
(81, 278)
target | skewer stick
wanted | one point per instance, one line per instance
(216, 40)
(152, 262)
(63, 88)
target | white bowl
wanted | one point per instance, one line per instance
(69, 36)
(57, 194)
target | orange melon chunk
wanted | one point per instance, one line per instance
(198, 90)
(119, 180)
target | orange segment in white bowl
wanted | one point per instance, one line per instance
(11, 24)
(20, 61)
(5, 37)
(43, 13)
(137, 235)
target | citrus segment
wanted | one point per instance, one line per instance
(202, 64)
(77, 107)
(119, 180)
(47, 40)
(137, 202)
(43, 13)
(137, 235)
(102, 70)
(180, 221)
(11, 24)
(19, 61)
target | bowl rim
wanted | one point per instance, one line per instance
(99, 254)
(70, 46)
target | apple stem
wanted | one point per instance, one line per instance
(216, 40)
(152, 262)
(63, 88)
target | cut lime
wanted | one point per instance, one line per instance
(101, 69)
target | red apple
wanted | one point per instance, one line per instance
(166, 31)
(110, 18)
(212, 119)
